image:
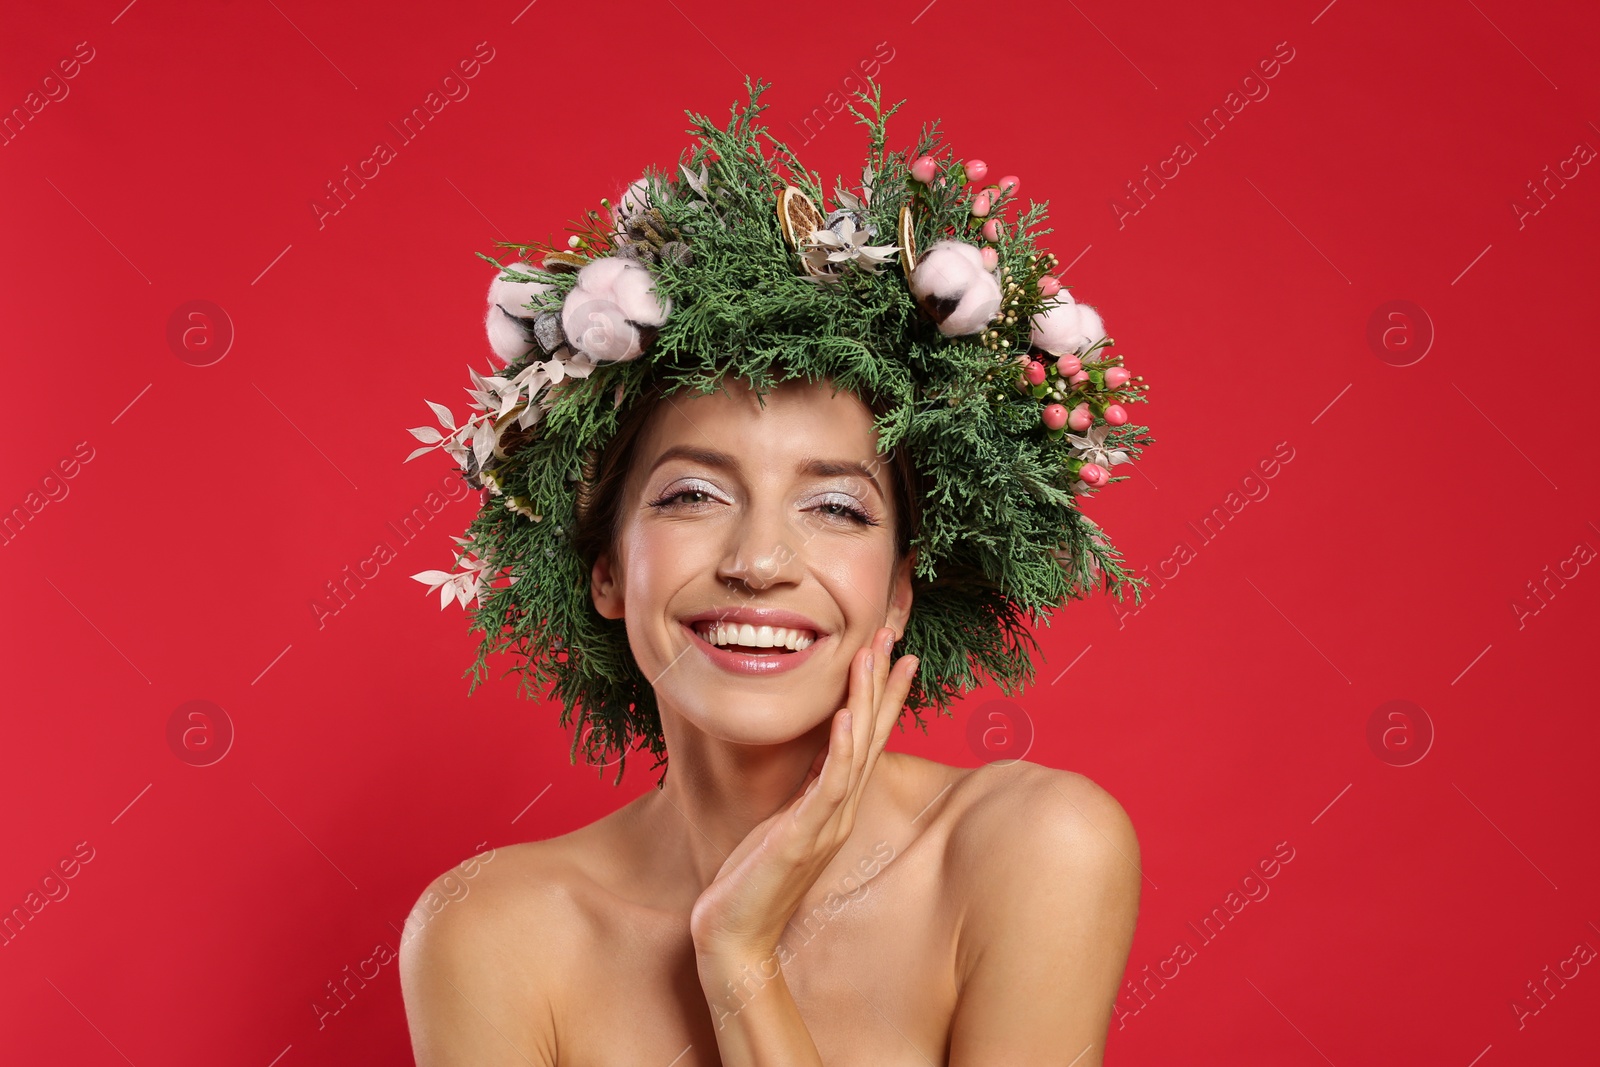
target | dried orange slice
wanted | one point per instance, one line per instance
(798, 216)
(908, 240)
(508, 441)
(563, 263)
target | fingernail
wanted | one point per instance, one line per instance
(888, 644)
(870, 663)
(845, 720)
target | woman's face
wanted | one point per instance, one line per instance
(737, 517)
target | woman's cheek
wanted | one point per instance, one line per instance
(662, 562)
(858, 577)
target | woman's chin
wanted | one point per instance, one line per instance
(754, 721)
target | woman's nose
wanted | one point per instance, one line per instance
(764, 551)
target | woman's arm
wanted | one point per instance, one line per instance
(755, 1017)
(1053, 870)
(468, 982)
(738, 920)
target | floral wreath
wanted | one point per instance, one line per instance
(983, 365)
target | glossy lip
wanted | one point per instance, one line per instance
(752, 663)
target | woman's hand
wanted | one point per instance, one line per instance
(742, 913)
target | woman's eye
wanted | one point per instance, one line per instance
(691, 496)
(847, 511)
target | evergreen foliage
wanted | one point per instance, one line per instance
(1001, 541)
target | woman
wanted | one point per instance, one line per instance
(791, 893)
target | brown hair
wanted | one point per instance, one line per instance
(600, 492)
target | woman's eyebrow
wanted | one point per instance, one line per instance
(820, 468)
(832, 468)
(709, 456)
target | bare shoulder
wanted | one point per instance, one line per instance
(482, 956)
(1025, 811)
(1048, 868)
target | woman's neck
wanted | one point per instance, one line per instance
(715, 792)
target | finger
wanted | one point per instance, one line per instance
(881, 721)
(883, 655)
(824, 753)
(897, 689)
(863, 704)
(879, 646)
(824, 793)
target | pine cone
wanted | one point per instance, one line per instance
(677, 252)
(547, 332)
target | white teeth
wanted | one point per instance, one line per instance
(746, 635)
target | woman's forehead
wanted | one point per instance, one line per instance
(795, 417)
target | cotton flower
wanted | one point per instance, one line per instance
(953, 287)
(1067, 327)
(509, 322)
(602, 315)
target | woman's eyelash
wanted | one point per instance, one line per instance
(845, 510)
(671, 499)
(851, 512)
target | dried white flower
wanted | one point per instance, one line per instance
(1090, 446)
(842, 242)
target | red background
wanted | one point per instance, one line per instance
(1230, 714)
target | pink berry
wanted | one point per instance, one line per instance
(1080, 418)
(1009, 183)
(1049, 286)
(1116, 377)
(991, 230)
(1093, 475)
(1080, 376)
(976, 169)
(1067, 366)
(991, 258)
(924, 169)
(1116, 414)
(980, 204)
(1035, 372)
(1054, 416)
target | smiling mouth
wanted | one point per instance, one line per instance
(755, 640)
